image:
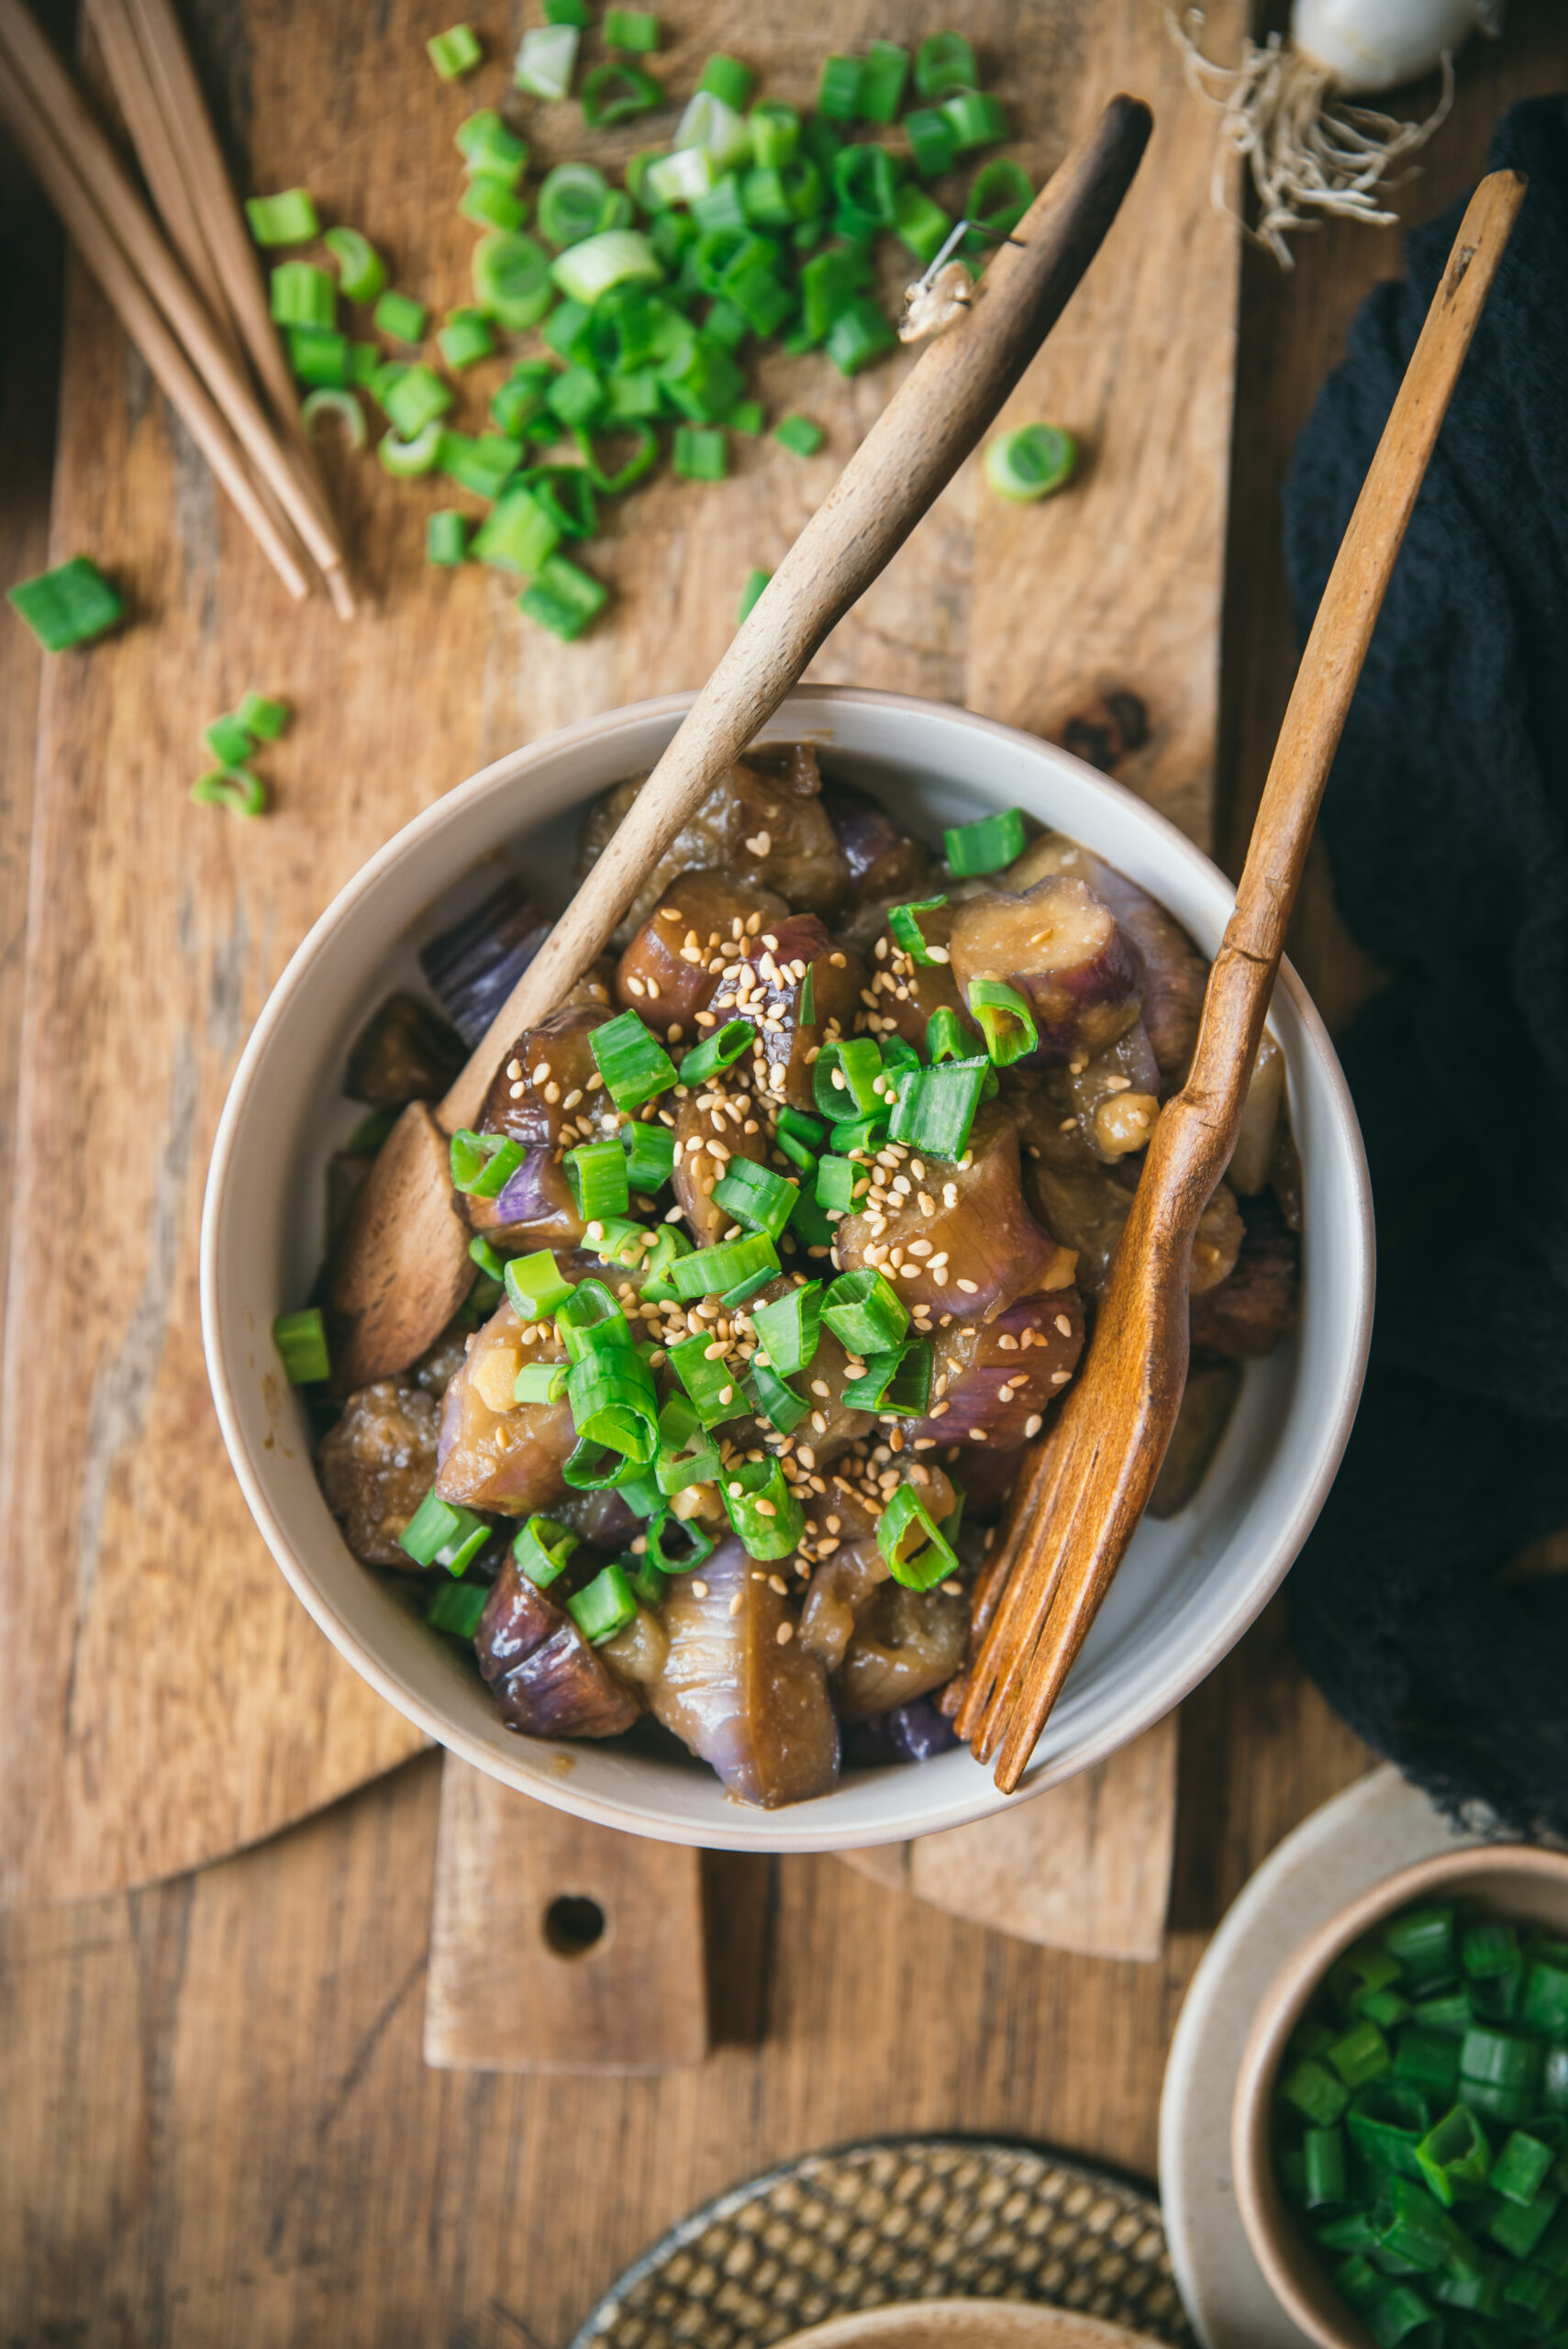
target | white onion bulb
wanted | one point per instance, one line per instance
(1376, 44)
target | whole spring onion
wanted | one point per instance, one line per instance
(1032, 460)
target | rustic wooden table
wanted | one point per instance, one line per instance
(218, 2125)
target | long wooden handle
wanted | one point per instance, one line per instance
(1241, 981)
(908, 456)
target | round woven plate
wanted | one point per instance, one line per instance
(906, 2218)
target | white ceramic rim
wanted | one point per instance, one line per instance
(789, 1829)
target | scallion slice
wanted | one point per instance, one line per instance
(466, 337)
(883, 72)
(858, 335)
(563, 598)
(1005, 1020)
(775, 134)
(840, 1182)
(301, 1340)
(518, 533)
(455, 51)
(999, 195)
(262, 716)
(539, 1382)
(361, 272)
(756, 1197)
(713, 1388)
(865, 182)
(319, 355)
(287, 219)
(687, 1454)
(576, 397)
(490, 146)
(916, 1554)
(773, 1400)
(482, 1164)
(440, 1534)
(944, 62)
(898, 1380)
(634, 1065)
(718, 1271)
(537, 1286)
(633, 28)
(668, 1245)
(838, 89)
(932, 141)
(977, 117)
(702, 380)
(333, 401)
(949, 1036)
(227, 740)
(546, 61)
(690, 171)
(1030, 461)
(799, 435)
(591, 1321)
(400, 316)
(542, 1547)
(935, 1106)
(457, 1608)
(857, 1133)
(699, 452)
(649, 1155)
(491, 204)
(521, 397)
(987, 846)
(714, 127)
(302, 295)
(904, 923)
(418, 397)
(239, 789)
(720, 1050)
(608, 1604)
(692, 1546)
(920, 223)
(798, 1134)
(762, 1510)
(755, 581)
(596, 1172)
(592, 264)
(610, 1391)
(865, 1312)
(789, 1328)
(844, 1076)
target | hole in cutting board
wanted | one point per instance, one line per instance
(574, 1925)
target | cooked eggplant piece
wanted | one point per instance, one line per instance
(637, 1655)
(913, 1732)
(405, 1053)
(710, 1129)
(904, 1644)
(536, 1209)
(547, 1090)
(842, 1589)
(1171, 973)
(908, 991)
(1059, 947)
(497, 1453)
(546, 1679)
(882, 859)
(958, 1239)
(601, 1519)
(672, 969)
(741, 1691)
(1216, 1242)
(1257, 1139)
(775, 978)
(473, 966)
(764, 825)
(1115, 1097)
(1246, 1315)
(833, 1425)
(377, 1464)
(1207, 1401)
(991, 1382)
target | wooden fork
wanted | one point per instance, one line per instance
(1078, 1504)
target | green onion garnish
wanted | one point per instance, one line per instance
(491, 204)
(590, 266)
(606, 1605)
(227, 740)
(513, 285)
(536, 1286)
(301, 1340)
(932, 140)
(839, 90)
(789, 1328)
(542, 1547)
(1005, 1020)
(539, 1382)
(755, 1196)
(883, 72)
(644, 1576)
(415, 399)
(934, 1108)
(727, 79)
(949, 1036)
(302, 295)
(693, 1545)
(633, 28)
(400, 316)
(239, 790)
(773, 1401)
(840, 1182)
(756, 581)
(571, 207)
(866, 186)
(904, 924)
(720, 1050)
(857, 1133)
(668, 1244)
(699, 452)
(446, 537)
(1030, 461)
(457, 1608)
(455, 51)
(702, 379)
(999, 195)
(762, 1510)
(776, 133)
(987, 846)
(319, 355)
(799, 1135)
(844, 1076)
(439, 1534)
(331, 400)
(799, 434)
(546, 61)
(491, 146)
(563, 598)
(712, 1386)
(649, 1155)
(618, 92)
(858, 335)
(262, 717)
(746, 416)
(590, 1321)
(610, 1390)
(518, 533)
(910, 1540)
(944, 62)
(361, 272)
(898, 1380)
(482, 1164)
(687, 1454)
(466, 338)
(596, 1172)
(920, 223)
(716, 1271)
(520, 398)
(865, 1312)
(287, 219)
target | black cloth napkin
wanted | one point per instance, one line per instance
(1447, 829)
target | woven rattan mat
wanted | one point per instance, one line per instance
(908, 2219)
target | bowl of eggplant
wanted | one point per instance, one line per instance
(868, 1071)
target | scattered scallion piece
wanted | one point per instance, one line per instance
(484, 465)
(633, 28)
(762, 1510)
(302, 295)
(417, 399)
(634, 1065)
(1032, 460)
(713, 1389)
(618, 92)
(536, 1286)
(838, 89)
(945, 63)
(799, 435)
(237, 788)
(756, 1197)
(570, 203)
(301, 1340)
(605, 1606)
(912, 1542)
(491, 204)
(482, 1164)
(512, 283)
(719, 1049)
(287, 219)
(932, 141)
(591, 265)
(699, 452)
(539, 1382)
(596, 1172)
(883, 72)
(406, 460)
(649, 1155)
(987, 846)
(713, 1272)
(440, 1534)
(977, 118)
(865, 1312)
(755, 581)
(457, 1608)
(400, 316)
(329, 401)
(898, 1380)
(228, 739)
(361, 272)
(1005, 1022)
(455, 51)
(687, 1454)
(789, 1327)
(858, 335)
(466, 337)
(904, 923)
(490, 146)
(319, 355)
(262, 717)
(546, 61)
(446, 538)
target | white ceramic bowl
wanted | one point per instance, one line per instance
(1187, 1589)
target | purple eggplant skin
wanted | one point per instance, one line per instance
(546, 1679)
(473, 966)
(912, 1732)
(405, 1053)
(769, 982)
(907, 1644)
(1171, 973)
(882, 859)
(536, 1209)
(1060, 948)
(496, 1454)
(753, 1707)
(377, 1464)
(548, 1067)
(996, 1379)
(986, 1249)
(671, 971)
(907, 993)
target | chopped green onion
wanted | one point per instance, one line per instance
(239, 790)
(844, 1076)
(567, 12)
(949, 1036)
(1428, 2059)
(695, 1544)
(703, 380)
(1518, 2230)
(799, 435)
(999, 195)
(718, 1051)
(511, 279)
(789, 1327)
(1422, 1939)
(775, 134)
(645, 1577)
(649, 1155)
(482, 1164)
(883, 72)
(904, 922)
(606, 1605)
(799, 1134)
(898, 1380)
(865, 1312)
(632, 1064)
(712, 1272)
(1361, 2054)
(542, 1547)
(563, 598)
(466, 338)
(858, 335)
(920, 222)
(984, 847)
(539, 1382)
(536, 1286)
(287, 219)
(678, 178)
(491, 147)
(518, 533)
(621, 1241)
(592, 264)
(388, 372)
(576, 397)
(521, 397)
(976, 118)
(457, 1608)
(400, 316)
(1030, 461)
(361, 272)
(633, 28)
(491, 204)
(1504, 2059)
(546, 61)
(1455, 2156)
(454, 51)
(569, 494)
(439, 1534)
(756, 581)
(1005, 1020)
(866, 183)
(302, 295)
(714, 129)
(773, 1400)
(710, 1383)
(301, 1340)
(318, 355)
(572, 203)
(405, 459)
(596, 1172)
(944, 62)
(228, 741)
(1544, 2007)
(610, 1391)
(338, 403)
(936, 1107)
(668, 1244)
(857, 1133)
(364, 359)
(446, 538)
(618, 93)
(1324, 2153)
(762, 1510)
(699, 452)
(912, 1542)
(756, 1197)
(838, 90)
(1520, 2169)
(417, 399)
(262, 717)
(687, 1454)
(840, 1182)
(727, 79)
(932, 140)
(590, 1320)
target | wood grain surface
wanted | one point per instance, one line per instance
(161, 1696)
(218, 2125)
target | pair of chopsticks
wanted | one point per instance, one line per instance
(200, 321)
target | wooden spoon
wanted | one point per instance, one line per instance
(402, 1268)
(1078, 1505)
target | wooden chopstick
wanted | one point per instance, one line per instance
(138, 313)
(191, 141)
(44, 81)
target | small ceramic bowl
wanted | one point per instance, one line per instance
(969, 2324)
(1187, 1588)
(1512, 1880)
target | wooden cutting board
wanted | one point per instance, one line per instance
(163, 1696)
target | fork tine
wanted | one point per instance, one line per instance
(1041, 1584)
(998, 1603)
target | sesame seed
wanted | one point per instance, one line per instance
(969, 1288)
(784, 1634)
(1060, 1377)
(1033, 1424)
